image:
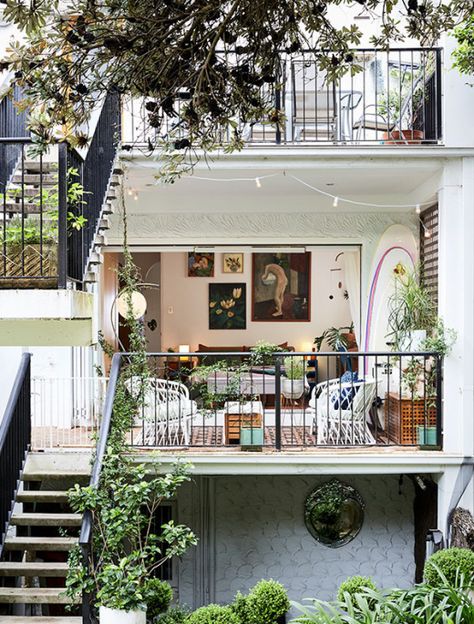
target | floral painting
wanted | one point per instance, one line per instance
(200, 265)
(233, 263)
(281, 287)
(227, 306)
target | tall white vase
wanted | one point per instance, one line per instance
(116, 616)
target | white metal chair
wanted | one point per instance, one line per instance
(341, 411)
(166, 412)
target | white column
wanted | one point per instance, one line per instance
(456, 300)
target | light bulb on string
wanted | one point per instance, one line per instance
(135, 197)
(427, 233)
(335, 203)
(258, 183)
(418, 209)
(130, 192)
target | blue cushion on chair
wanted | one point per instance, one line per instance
(343, 399)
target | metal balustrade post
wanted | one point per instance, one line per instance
(439, 401)
(278, 404)
(62, 215)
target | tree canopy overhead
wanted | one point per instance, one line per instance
(220, 59)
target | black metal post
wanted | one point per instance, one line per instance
(278, 403)
(62, 215)
(439, 401)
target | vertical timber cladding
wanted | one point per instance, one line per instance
(429, 250)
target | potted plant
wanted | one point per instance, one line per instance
(338, 338)
(127, 549)
(293, 383)
(262, 353)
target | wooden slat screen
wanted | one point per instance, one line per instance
(429, 250)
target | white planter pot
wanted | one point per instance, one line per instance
(116, 616)
(292, 388)
(413, 340)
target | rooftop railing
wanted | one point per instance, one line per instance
(386, 97)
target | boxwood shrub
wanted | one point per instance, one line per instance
(213, 614)
(354, 585)
(452, 563)
(266, 603)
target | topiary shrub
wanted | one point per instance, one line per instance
(175, 615)
(159, 595)
(354, 585)
(452, 563)
(266, 603)
(213, 614)
(240, 607)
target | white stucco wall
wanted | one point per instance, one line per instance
(253, 527)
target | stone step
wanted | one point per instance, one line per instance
(39, 619)
(46, 519)
(26, 191)
(34, 595)
(34, 179)
(42, 475)
(33, 568)
(57, 465)
(42, 496)
(108, 208)
(35, 166)
(41, 544)
(104, 224)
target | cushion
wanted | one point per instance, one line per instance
(342, 399)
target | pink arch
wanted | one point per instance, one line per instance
(373, 288)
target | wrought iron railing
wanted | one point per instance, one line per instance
(39, 245)
(289, 400)
(393, 97)
(15, 436)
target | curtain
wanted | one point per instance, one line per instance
(352, 282)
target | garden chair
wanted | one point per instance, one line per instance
(166, 412)
(341, 411)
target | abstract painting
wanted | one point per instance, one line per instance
(227, 306)
(200, 265)
(281, 287)
(233, 263)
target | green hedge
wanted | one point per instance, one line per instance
(213, 614)
(453, 563)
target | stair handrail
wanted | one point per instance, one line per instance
(85, 538)
(15, 440)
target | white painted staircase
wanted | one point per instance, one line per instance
(42, 530)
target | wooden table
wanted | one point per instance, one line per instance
(404, 415)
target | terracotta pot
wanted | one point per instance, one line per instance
(403, 137)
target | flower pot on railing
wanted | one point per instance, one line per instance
(117, 616)
(292, 388)
(403, 137)
(427, 436)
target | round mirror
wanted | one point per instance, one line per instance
(334, 513)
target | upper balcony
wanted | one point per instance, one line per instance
(387, 98)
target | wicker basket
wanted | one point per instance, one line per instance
(403, 416)
(30, 266)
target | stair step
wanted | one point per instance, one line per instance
(48, 179)
(34, 595)
(104, 224)
(42, 496)
(36, 166)
(40, 543)
(46, 519)
(41, 475)
(39, 619)
(33, 568)
(27, 208)
(96, 258)
(108, 209)
(26, 191)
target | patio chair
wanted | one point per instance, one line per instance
(166, 413)
(341, 411)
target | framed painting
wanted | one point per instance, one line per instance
(227, 306)
(281, 287)
(200, 265)
(233, 263)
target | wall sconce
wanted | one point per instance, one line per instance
(184, 348)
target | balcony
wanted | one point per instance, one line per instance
(386, 98)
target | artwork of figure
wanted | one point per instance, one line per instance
(280, 283)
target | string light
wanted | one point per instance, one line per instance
(335, 198)
(135, 197)
(130, 192)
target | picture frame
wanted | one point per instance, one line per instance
(233, 263)
(227, 305)
(281, 287)
(201, 264)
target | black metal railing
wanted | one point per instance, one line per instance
(393, 97)
(15, 438)
(39, 243)
(289, 400)
(94, 172)
(86, 534)
(12, 124)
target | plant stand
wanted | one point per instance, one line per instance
(404, 416)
